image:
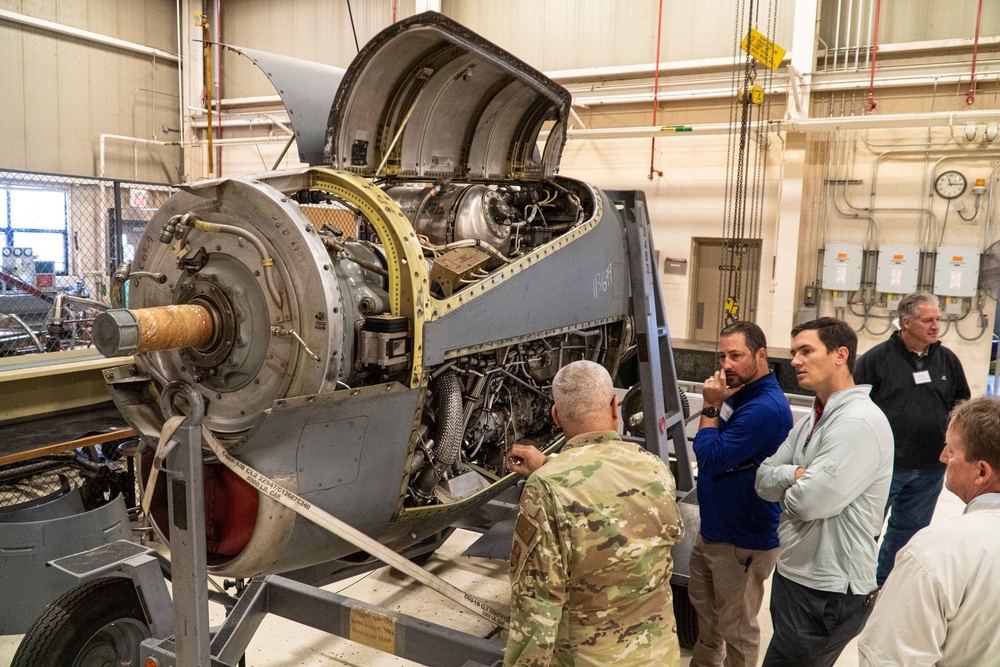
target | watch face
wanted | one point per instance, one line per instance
(950, 184)
(710, 412)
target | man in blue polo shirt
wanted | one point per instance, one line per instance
(745, 419)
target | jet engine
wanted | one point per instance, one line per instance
(376, 333)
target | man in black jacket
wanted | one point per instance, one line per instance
(916, 381)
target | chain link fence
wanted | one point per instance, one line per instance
(100, 473)
(64, 235)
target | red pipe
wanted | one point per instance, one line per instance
(970, 98)
(871, 82)
(656, 95)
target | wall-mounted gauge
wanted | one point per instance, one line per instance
(950, 184)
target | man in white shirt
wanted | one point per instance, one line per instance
(938, 606)
(832, 479)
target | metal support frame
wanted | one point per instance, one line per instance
(663, 417)
(185, 638)
(186, 508)
(180, 629)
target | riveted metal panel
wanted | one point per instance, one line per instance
(580, 284)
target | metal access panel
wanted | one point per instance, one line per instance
(956, 271)
(842, 266)
(898, 269)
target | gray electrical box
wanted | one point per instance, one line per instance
(19, 263)
(898, 268)
(842, 266)
(956, 271)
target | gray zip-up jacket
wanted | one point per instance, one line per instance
(831, 518)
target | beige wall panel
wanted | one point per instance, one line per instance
(686, 202)
(61, 93)
(104, 113)
(567, 34)
(161, 25)
(249, 159)
(12, 141)
(41, 101)
(43, 9)
(72, 130)
(314, 30)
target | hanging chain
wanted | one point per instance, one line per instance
(743, 216)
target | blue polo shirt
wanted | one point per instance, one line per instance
(728, 458)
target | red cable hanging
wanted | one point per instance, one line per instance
(970, 98)
(656, 95)
(871, 82)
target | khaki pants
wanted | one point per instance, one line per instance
(726, 590)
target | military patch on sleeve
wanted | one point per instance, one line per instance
(515, 555)
(525, 529)
(526, 537)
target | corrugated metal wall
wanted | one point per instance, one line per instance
(912, 21)
(59, 94)
(317, 30)
(570, 34)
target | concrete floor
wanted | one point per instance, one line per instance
(283, 643)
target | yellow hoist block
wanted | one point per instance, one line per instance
(756, 95)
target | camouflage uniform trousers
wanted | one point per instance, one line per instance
(590, 560)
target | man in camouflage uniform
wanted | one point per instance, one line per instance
(590, 560)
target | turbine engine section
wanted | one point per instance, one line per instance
(380, 363)
(480, 405)
(445, 214)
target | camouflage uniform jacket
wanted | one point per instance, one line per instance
(590, 560)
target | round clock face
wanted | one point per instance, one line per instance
(950, 184)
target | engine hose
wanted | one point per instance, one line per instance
(448, 435)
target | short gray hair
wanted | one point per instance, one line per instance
(581, 390)
(908, 305)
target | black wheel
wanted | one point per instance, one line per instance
(684, 614)
(97, 624)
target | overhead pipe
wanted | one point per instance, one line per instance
(206, 36)
(656, 92)
(216, 6)
(847, 37)
(819, 82)
(86, 35)
(233, 141)
(836, 34)
(857, 51)
(807, 125)
(970, 97)
(870, 104)
(182, 119)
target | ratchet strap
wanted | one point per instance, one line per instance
(348, 533)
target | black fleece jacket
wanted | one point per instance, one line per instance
(918, 413)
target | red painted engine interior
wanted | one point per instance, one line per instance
(230, 510)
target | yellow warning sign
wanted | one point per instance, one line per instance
(763, 49)
(374, 630)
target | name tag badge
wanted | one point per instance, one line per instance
(922, 377)
(726, 412)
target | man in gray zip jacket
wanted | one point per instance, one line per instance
(832, 479)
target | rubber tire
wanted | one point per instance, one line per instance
(685, 616)
(68, 623)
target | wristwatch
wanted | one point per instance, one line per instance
(710, 411)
